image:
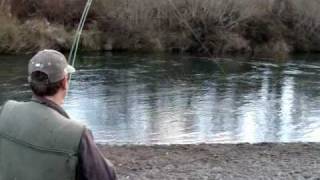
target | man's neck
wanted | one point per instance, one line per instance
(50, 102)
(55, 99)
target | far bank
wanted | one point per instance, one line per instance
(273, 28)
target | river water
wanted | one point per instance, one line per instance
(165, 99)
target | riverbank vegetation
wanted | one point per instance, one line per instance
(261, 28)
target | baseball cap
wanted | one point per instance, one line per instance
(51, 62)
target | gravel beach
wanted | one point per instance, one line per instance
(216, 161)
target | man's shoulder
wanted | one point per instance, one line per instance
(10, 104)
(74, 124)
(35, 114)
(15, 104)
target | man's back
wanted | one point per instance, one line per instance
(36, 142)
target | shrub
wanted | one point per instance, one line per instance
(197, 26)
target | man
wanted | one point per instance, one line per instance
(38, 140)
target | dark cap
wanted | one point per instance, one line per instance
(51, 62)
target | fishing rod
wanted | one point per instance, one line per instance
(75, 45)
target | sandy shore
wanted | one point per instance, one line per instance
(216, 161)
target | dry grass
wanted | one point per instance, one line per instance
(17, 37)
(257, 27)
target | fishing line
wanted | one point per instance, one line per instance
(75, 44)
(180, 16)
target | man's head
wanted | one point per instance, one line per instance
(48, 73)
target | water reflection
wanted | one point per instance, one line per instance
(146, 99)
(287, 105)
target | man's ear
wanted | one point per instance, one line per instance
(65, 83)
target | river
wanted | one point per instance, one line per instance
(177, 99)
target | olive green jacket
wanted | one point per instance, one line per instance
(37, 143)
